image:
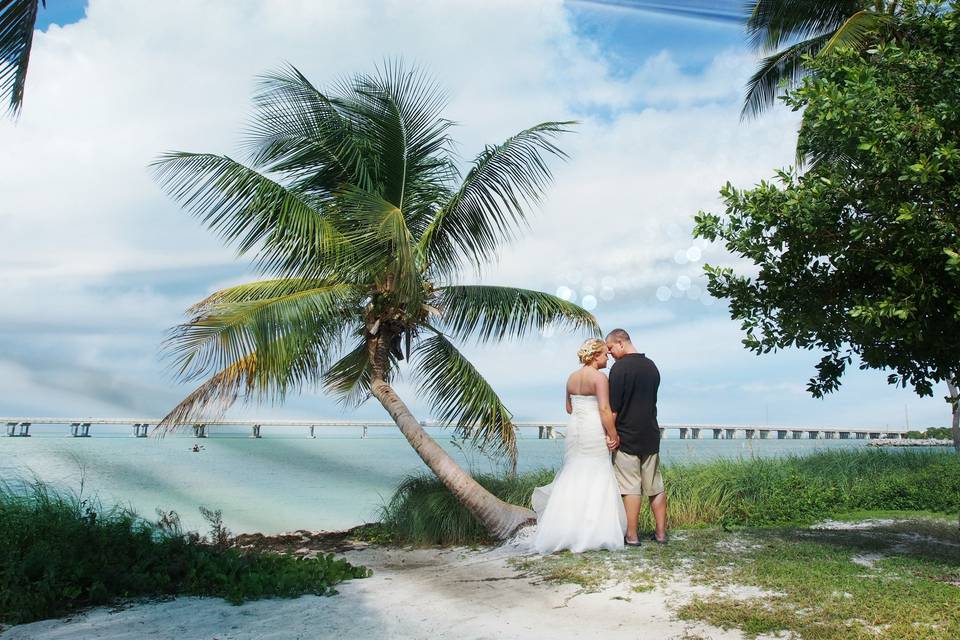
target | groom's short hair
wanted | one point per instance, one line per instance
(619, 335)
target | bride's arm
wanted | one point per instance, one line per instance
(606, 413)
(569, 403)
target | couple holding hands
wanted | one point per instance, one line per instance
(611, 457)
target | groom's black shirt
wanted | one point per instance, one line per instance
(634, 381)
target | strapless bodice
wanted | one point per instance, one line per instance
(585, 435)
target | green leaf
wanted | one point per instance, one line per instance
(460, 395)
(495, 313)
(491, 203)
(257, 214)
(17, 21)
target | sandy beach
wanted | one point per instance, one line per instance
(460, 594)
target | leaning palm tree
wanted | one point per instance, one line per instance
(17, 20)
(354, 208)
(813, 27)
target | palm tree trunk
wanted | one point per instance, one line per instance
(955, 406)
(500, 518)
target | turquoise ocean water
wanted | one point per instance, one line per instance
(284, 480)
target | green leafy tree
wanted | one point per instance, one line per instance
(860, 256)
(17, 20)
(354, 206)
(788, 31)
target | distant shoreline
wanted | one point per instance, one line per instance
(905, 442)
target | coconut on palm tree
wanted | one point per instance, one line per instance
(355, 208)
(17, 20)
(811, 27)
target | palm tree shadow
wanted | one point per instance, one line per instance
(923, 539)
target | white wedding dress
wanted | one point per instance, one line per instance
(581, 509)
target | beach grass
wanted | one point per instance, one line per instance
(62, 552)
(752, 492)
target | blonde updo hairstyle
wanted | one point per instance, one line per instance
(590, 349)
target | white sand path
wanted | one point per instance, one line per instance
(454, 594)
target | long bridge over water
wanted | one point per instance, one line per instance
(140, 428)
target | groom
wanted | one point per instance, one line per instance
(634, 381)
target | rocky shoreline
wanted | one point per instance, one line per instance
(906, 442)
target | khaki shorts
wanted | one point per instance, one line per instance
(638, 475)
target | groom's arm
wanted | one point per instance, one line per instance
(616, 391)
(607, 417)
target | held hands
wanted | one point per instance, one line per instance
(613, 443)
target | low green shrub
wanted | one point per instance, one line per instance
(60, 553)
(940, 433)
(727, 493)
(423, 511)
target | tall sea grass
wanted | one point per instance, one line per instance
(750, 492)
(60, 552)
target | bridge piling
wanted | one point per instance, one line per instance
(80, 429)
(199, 431)
(256, 431)
(24, 429)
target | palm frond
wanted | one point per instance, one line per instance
(258, 291)
(494, 313)
(489, 206)
(253, 212)
(294, 361)
(303, 134)
(233, 323)
(461, 396)
(349, 377)
(383, 246)
(772, 23)
(213, 397)
(17, 20)
(855, 32)
(400, 109)
(776, 73)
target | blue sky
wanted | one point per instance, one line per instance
(60, 12)
(99, 263)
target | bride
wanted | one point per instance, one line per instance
(582, 509)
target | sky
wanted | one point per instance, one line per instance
(96, 263)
